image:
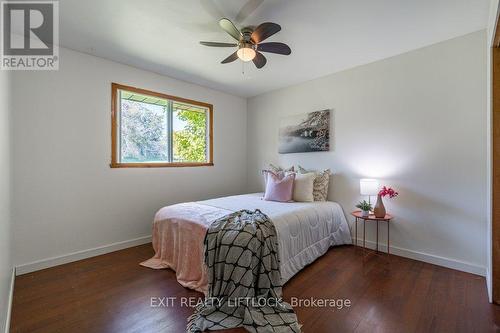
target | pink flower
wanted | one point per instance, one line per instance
(388, 191)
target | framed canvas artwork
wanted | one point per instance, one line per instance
(305, 133)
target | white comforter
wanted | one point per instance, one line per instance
(305, 229)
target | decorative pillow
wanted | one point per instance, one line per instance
(279, 174)
(277, 170)
(279, 189)
(303, 187)
(321, 182)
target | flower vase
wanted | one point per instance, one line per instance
(379, 209)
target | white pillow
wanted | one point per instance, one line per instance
(320, 191)
(303, 187)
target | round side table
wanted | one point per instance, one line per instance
(358, 215)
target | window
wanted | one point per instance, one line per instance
(151, 129)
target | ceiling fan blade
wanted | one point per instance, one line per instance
(259, 60)
(272, 47)
(247, 9)
(229, 27)
(229, 59)
(264, 31)
(217, 44)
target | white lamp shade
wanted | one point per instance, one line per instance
(368, 186)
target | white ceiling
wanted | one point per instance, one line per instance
(326, 36)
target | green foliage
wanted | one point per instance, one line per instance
(364, 206)
(143, 137)
(190, 143)
(144, 134)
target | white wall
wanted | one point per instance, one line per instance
(417, 122)
(5, 198)
(492, 20)
(66, 197)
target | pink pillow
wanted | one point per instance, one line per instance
(277, 170)
(279, 188)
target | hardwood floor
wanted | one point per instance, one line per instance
(112, 293)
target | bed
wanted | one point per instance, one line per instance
(306, 230)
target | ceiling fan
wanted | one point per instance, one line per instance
(249, 42)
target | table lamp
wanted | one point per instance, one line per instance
(368, 187)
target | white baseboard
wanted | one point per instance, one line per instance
(429, 258)
(9, 301)
(488, 285)
(75, 256)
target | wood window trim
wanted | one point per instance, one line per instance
(115, 163)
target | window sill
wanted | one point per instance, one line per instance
(159, 165)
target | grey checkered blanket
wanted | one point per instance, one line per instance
(244, 279)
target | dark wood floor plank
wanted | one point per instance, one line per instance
(112, 293)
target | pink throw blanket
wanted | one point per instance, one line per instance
(178, 234)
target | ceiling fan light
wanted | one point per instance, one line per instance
(246, 54)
